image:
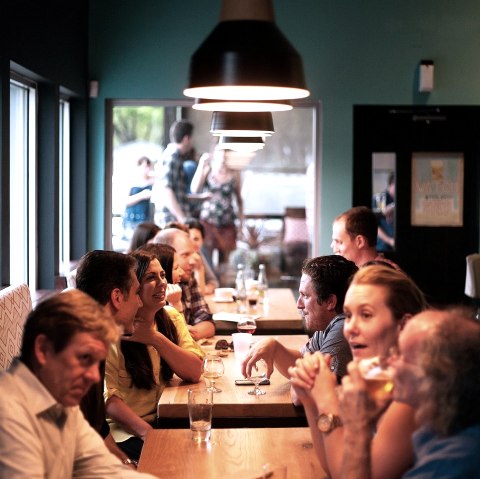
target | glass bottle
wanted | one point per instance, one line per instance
(241, 290)
(262, 285)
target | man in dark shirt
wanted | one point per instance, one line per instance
(322, 289)
(109, 278)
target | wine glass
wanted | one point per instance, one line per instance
(257, 375)
(246, 324)
(213, 369)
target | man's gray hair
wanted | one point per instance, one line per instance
(168, 236)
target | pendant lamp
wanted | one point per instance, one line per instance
(240, 105)
(246, 58)
(241, 143)
(239, 123)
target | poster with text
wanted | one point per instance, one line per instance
(437, 189)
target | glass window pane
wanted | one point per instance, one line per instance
(64, 178)
(22, 184)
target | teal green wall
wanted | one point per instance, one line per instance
(354, 52)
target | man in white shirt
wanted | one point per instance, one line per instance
(43, 433)
(354, 236)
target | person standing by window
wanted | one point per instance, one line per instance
(139, 208)
(224, 205)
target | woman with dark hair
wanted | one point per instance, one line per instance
(143, 233)
(138, 367)
(169, 259)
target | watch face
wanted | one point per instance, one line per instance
(325, 422)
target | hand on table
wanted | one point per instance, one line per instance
(263, 349)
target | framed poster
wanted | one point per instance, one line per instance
(437, 189)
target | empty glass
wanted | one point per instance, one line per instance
(257, 375)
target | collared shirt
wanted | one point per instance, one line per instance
(118, 381)
(452, 457)
(195, 308)
(41, 439)
(173, 176)
(333, 342)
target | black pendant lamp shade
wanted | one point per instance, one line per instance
(242, 124)
(247, 59)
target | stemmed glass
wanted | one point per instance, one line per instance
(247, 324)
(213, 369)
(257, 375)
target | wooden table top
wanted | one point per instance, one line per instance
(234, 401)
(171, 453)
(279, 313)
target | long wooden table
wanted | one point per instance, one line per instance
(279, 314)
(171, 453)
(234, 406)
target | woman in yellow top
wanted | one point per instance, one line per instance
(138, 367)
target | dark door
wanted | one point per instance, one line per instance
(434, 256)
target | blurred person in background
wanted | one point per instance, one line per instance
(207, 281)
(144, 232)
(224, 206)
(139, 207)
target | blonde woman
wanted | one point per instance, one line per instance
(378, 303)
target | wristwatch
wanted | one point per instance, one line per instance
(328, 422)
(129, 461)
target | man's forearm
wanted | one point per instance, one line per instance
(172, 204)
(204, 329)
(284, 358)
(357, 440)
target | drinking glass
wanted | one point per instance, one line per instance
(257, 374)
(247, 324)
(200, 405)
(378, 375)
(213, 369)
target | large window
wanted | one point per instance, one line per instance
(280, 184)
(23, 237)
(64, 187)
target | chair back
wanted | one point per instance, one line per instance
(15, 305)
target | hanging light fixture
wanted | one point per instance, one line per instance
(240, 105)
(246, 58)
(245, 144)
(239, 123)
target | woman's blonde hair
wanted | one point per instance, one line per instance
(404, 296)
